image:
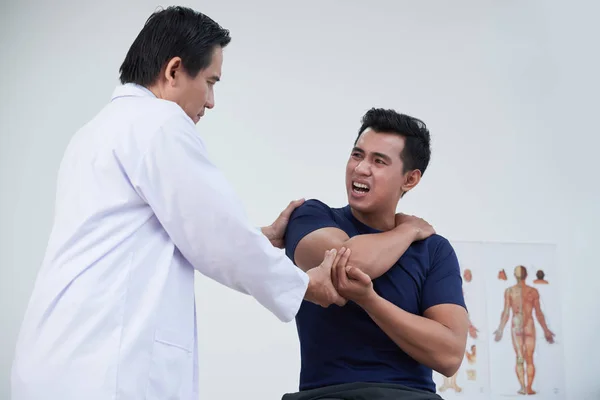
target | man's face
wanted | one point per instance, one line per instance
(194, 95)
(375, 172)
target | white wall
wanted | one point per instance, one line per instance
(509, 90)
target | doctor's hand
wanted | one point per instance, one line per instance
(320, 288)
(276, 231)
(351, 283)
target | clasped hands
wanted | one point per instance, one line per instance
(336, 282)
(350, 283)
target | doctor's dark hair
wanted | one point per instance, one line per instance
(172, 32)
(417, 147)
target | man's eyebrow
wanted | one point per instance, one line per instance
(384, 156)
(377, 154)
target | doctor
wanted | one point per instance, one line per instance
(139, 208)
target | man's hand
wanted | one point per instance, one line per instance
(320, 289)
(276, 230)
(350, 282)
(422, 229)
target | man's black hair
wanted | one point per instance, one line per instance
(417, 147)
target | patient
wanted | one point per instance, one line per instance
(405, 313)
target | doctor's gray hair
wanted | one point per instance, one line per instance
(172, 32)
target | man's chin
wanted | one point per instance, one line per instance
(359, 204)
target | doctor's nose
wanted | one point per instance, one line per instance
(210, 102)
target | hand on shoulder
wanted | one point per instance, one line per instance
(420, 228)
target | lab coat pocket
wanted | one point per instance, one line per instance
(171, 363)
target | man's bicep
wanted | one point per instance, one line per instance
(452, 316)
(311, 248)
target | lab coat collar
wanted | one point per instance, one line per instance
(131, 89)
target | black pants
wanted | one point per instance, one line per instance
(363, 391)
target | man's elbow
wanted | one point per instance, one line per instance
(449, 365)
(448, 362)
(359, 258)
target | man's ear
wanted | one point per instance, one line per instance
(172, 69)
(411, 179)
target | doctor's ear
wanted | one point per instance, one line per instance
(174, 67)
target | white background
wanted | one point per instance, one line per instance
(509, 90)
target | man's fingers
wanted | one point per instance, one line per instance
(329, 257)
(333, 271)
(340, 267)
(340, 252)
(343, 260)
(358, 275)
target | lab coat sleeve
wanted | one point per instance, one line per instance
(203, 216)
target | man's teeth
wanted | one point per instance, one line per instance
(360, 187)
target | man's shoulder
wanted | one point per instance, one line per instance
(310, 216)
(314, 207)
(315, 203)
(438, 249)
(438, 240)
(438, 245)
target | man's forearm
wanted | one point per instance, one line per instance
(376, 253)
(428, 342)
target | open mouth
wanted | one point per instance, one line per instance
(360, 188)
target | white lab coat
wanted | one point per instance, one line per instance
(139, 206)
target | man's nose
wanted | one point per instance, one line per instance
(363, 167)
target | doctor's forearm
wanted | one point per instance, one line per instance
(427, 341)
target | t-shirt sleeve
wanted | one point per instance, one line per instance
(309, 217)
(443, 284)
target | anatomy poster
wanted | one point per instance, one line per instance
(514, 345)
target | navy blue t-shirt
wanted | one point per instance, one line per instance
(343, 344)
